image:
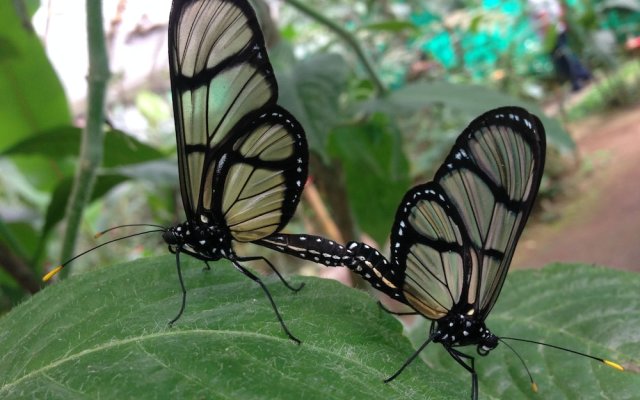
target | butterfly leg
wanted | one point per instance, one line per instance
(207, 267)
(184, 290)
(409, 360)
(460, 358)
(254, 278)
(394, 312)
(273, 268)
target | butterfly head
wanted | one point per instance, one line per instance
(488, 342)
(175, 235)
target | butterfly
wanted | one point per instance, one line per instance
(242, 158)
(453, 238)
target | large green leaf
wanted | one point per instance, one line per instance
(104, 334)
(470, 99)
(119, 148)
(589, 309)
(32, 98)
(376, 171)
(311, 90)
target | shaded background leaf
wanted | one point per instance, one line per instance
(472, 100)
(32, 97)
(55, 211)
(311, 90)
(376, 171)
(120, 148)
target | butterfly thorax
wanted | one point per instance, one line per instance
(463, 330)
(205, 241)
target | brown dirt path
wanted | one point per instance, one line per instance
(600, 222)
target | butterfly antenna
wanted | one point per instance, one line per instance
(606, 362)
(57, 269)
(97, 235)
(534, 386)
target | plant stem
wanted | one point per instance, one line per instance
(92, 136)
(347, 37)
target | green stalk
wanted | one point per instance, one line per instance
(91, 150)
(349, 39)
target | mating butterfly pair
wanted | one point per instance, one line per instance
(243, 164)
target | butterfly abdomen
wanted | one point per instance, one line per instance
(309, 247)
(375, 269)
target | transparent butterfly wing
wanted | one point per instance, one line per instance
(242, 158)
(261, 176)
(432, 250)
(488, 182)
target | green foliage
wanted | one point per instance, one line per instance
(32, 98)
(60, 197)
(120, 149)
(105, 333)
(588, 309)
(310, 90)
(32, 101)
(615, 90)
(122, 152)
(376, 171)
(471, 100)
(392, 26)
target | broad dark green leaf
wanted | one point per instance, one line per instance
(104, 334)
(19, 241)
(20, 235)
(32, 97)
(120, 148)
(589, 309)
(58, 142)
(311, 90)
(161, 173)
(58, 204)
(469, 99)
(376, 171)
